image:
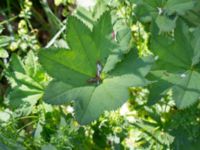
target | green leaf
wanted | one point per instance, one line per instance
(160, 85)
(132, 64)
(17, 74)
(79, 39)
(165, 24)
(85, 16)
(112, 60)
(182, 138)
(67, 65)
(26, 90)
(3, 53)
(196, 46)
(147, 10)
(73, 70)
(173, 55)
(114, 91)
(123, 38)
(16, 64)
(96, 44)
(88, 48)
(49, 146)
(192, 16)
(110, 95)
(187, 89)
(178, 57)
(26, 80)
(179, 6)
(99, 8)
(31, 64)
(33, 69)
(4, 40)
(89, 17)
(1, 29)
(56, 92)
(23, 97)
(160, 11)
(102, 34)
(3, 146)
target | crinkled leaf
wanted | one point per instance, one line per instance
(19, 77)
(31, 64)
(16, 64)
(26, 91)
(26, 80)
(23, 99)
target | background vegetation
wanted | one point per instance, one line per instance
(151, 119)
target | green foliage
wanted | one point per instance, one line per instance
(4, 41)
(165, 12)
(79, 66)
(26, 83)
(120, 74)
(176, 62)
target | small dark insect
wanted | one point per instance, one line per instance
(97, 78)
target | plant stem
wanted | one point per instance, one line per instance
(50, 43)
(8, 20)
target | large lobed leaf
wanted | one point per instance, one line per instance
(91, 101)
(74, 69)
(177, 65)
